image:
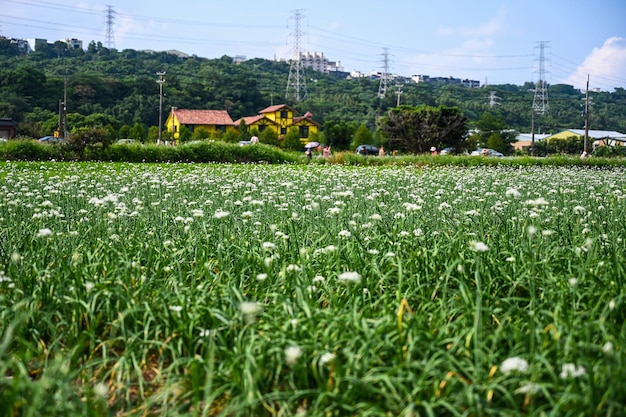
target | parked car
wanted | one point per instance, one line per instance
(367, 150)
(486, 152)
(50, 139)
(450, 151)
(244, 142)
(125, 141)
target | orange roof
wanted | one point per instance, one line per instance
(307, 116)
(203, 117)
(276, 107)
(248, 120)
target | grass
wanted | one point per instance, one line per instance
(182, 289)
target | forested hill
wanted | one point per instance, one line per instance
(121, 87)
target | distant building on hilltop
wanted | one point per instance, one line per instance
(446, 80)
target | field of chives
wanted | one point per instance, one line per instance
(251, 290)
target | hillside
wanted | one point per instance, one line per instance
(121, 87)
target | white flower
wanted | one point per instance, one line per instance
(345, 234)
(478, 246)
(175, 308)
(292, 354)
(512, 192)
(197, 213)
(373, 251)
(570, 370)
(250, 310)
(510, 259)
(44, 233)
(579, 210)
(538, 202)
(514, 364)
(528, 388)
(101, 390)
(350, 277)
(206, 332)
(572, 282)
(376, 217)
(327, 357)
(608, 347)
(268, 246)
(532, 230)
(318, 278)
(221, 214)
(261, 277)
(411, 207)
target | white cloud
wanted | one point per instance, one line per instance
(605, 66)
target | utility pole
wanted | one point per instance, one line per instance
(382, 87)
(161, 80)
(65, 133)
(532, 132)
(296, 83)
(586, 118)
(399, 93)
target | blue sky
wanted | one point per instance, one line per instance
(492, 41)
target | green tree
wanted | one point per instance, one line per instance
(138, 132)
(493, 132)
(269, 137)
(339, 134)
(417, 129)
(363, 136)
(292, 140)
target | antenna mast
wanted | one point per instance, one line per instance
(296, 84)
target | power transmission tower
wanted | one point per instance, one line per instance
(493, 99)
(384, 77)
(296, 83)
(540, 101)
(161, 80)
(109, 39)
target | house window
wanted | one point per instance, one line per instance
(283, 130)
(304, 131)
(262, 127)
(284, 114)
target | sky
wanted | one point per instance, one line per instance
(491, 41)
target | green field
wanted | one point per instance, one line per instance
(317, 290)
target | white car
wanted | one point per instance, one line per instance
(486, 152)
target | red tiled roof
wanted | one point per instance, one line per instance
(307, 116)
(276, 107)
(248, 120)
(203, 117)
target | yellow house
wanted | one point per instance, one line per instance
(281, 118)
(211, 120)
(596, 137)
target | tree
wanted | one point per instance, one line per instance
(493, 133)
(338, 134)
(292, 140)
(363, 136)
(269, 137)
(84, 137)
(417, 129)
(137, 132)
